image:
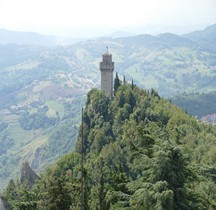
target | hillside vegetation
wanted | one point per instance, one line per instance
(140, 152)
(197, 104)
(33, 133)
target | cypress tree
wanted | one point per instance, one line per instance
(117, 83)
(132, 85)
(124, 80)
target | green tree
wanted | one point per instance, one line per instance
(20, 196)
(58, 191)
(117, 83)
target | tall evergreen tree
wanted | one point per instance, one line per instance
(117, 83)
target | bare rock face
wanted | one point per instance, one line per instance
(4, 205)
(28, 175)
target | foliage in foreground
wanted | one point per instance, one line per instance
(141, 152)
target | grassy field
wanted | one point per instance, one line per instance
(54, 106)
(20, 135)
(30, 148)
(29, 64)
(42, 85)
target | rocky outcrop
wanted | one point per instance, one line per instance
(4, 205)
(27, 174)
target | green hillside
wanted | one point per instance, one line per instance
(197, 104)
(140, 152)
(39, 134)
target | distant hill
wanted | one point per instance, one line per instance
(206, 38)
(168, 63)
(24, 38)
(32, 38)
(197, 104)
(118, 34)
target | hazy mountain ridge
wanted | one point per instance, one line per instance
(206, 38)
(25, 38)
(32, 38)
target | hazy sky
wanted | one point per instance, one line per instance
(91, 17)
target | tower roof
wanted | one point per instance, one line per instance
(107, 54)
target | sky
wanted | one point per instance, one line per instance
(85, 18)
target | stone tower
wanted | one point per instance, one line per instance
(106, 68)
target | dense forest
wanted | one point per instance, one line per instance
(140, 152)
